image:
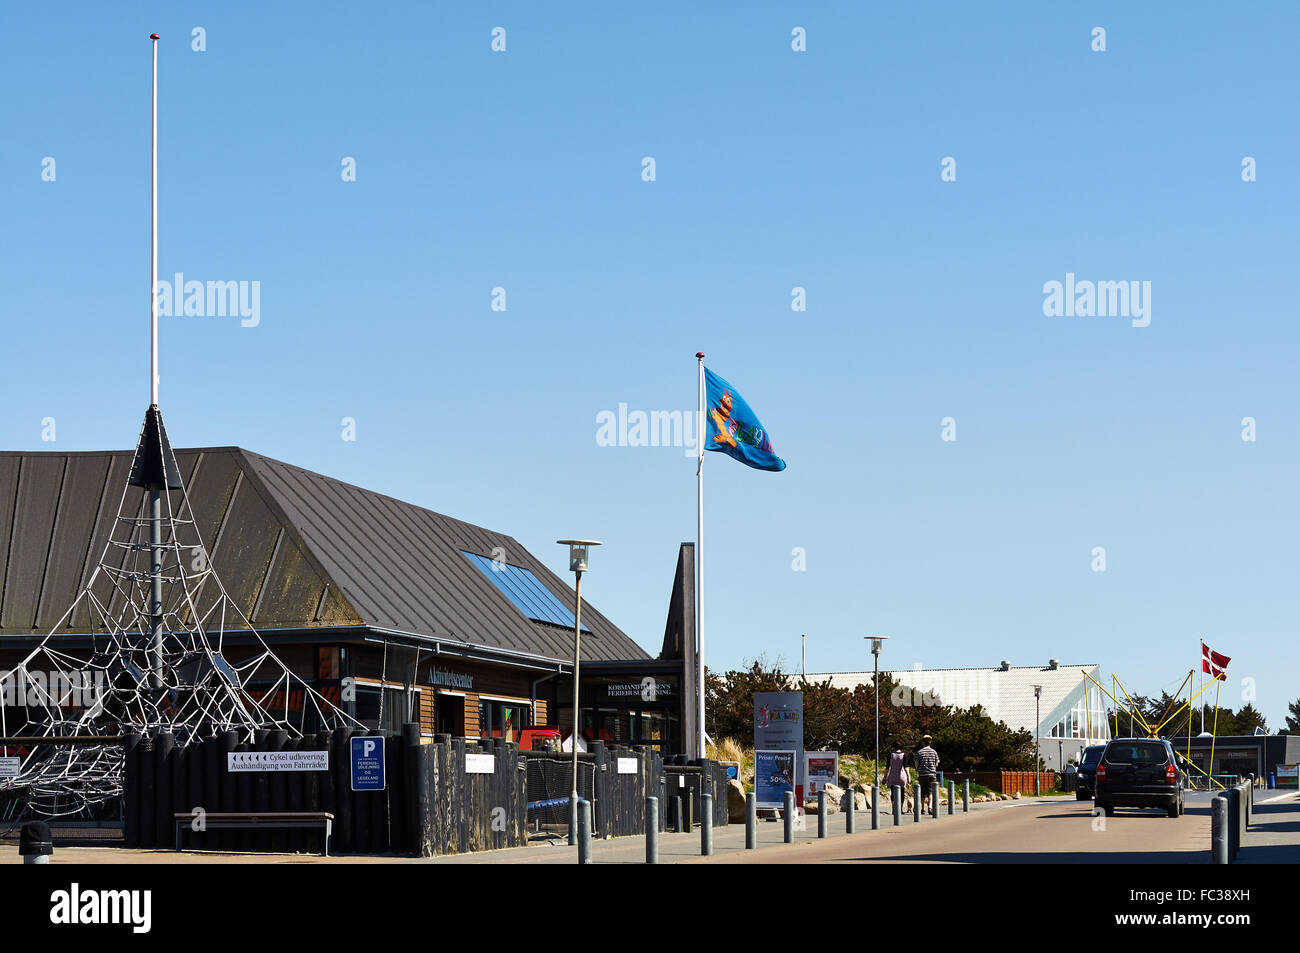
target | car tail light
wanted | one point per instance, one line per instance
(1171, 774)
(1101, 772)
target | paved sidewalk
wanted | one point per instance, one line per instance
(673, 848)
(1274, 833)
(676, 848)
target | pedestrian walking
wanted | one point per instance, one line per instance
(897, 771)
(927, 771)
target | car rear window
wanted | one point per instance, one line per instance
(1092, 755)
(1136, 752)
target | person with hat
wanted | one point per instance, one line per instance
(927, 770)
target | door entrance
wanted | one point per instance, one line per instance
(450, 715)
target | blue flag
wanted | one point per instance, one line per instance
(733, 428)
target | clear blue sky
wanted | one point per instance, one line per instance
(775, 169)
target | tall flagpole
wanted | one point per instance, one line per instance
(699, 554)
(153, 238)
(155, 489)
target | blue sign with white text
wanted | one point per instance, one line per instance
(368, 763)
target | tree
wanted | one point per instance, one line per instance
(844, 720)
(729, 699)
(1247, 720)
(1293, 716)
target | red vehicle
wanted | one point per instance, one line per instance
(533, 737)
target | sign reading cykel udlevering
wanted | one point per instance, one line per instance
(277, 761)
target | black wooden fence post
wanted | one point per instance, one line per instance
(343, 842)
(131, 791)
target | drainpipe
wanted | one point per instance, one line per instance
(532, 691)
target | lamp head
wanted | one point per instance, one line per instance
(578, 550)
(876, 641)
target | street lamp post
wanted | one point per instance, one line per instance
(578, 564)
(876, 644)
(1038, 756)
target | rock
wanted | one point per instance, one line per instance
(860, 801)
(834, 795)
(735, 802)
(1016, 796)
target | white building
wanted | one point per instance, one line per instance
(1071, 710)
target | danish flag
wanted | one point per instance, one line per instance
(1212, 663)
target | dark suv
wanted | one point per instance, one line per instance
(1139, 772)
(1085, 781)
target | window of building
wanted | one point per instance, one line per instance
(502, 719)
(397, 707)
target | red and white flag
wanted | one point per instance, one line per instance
(1212, 663)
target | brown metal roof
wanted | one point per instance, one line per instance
(293, 548)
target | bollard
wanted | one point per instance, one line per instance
(821, 814)
(35, 844)
(652, 830)
(574, 801)
(1242, 815)
(1233, 796)
(584, 831)
(789, 817)
(896, 797)
(1250, 800)
(952, 797)
(677, 813)
(965, 796)
(706, 825)
(1219, 830)
(916, 802)
(751, 820)
(875, 805)
(850, 824)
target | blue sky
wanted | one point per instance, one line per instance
(775, 169)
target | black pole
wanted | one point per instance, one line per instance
(164, 823)
(131, 791)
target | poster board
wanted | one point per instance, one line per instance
(774, 774)
(778, 726)
(821, 768)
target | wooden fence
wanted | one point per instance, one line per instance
(433, 802)
(1004, 782)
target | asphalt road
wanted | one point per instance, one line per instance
(1043, 832)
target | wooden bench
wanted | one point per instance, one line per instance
(260, 820)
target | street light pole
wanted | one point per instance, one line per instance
(876, 644)
(1038, 754)
(578, 564)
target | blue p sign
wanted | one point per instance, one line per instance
(368, 763)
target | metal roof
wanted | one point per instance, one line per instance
(293, 548)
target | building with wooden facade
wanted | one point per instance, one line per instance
(393, 611)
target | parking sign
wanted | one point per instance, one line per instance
(368, 763)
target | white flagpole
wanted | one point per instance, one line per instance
(699, 553)
(153, 239)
